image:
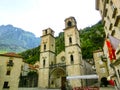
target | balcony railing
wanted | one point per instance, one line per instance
(58, 65)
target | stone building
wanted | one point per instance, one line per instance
(100, 64)
(54, 69)
(10, 69)
(110, 13)
(29, 76)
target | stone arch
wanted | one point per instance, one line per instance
(56, 76)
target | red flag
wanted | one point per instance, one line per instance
(110, 50)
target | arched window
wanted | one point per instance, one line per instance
(69, 23)
(43, 63)
(72, 59)
(70, 40)
(44, 47)
(45, 31)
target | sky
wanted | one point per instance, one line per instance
(37, 15)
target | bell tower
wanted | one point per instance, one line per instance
(47, 57)
(73, 51)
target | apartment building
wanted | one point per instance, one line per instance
(10, 68)
(110, 13)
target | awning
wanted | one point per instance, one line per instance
(83, 77)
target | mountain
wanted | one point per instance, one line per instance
(13, 39)
(91, 38)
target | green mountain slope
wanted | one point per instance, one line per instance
(91, 38)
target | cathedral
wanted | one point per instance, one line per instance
(54, 69)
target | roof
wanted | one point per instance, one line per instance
(11, 54)
(96, 51)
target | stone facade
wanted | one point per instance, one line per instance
(10, 68)
(100, 65)
(110, 13)
(54, 69)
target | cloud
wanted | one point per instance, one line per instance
(36, 15)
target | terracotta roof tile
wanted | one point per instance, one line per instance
(11, 54)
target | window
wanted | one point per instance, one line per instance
(70, 40)
(110, 27)
(43, 63)
(112, 5)
(44, 46)
(45, 31)
(8, 72)
(105, 14)
(72, 59)
(5, 85)
(69, 23)
(118, 72)
(10, 63)
(113, 33)
(117, 21)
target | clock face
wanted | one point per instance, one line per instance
(69, 23)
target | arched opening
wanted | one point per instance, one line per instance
(104, 82)
(57, 78)
(70, 40)
(72, 59)
(44, 63)
(44, 47)
(69, 23)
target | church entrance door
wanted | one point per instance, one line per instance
(57, 78)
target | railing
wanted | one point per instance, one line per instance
(57, 65)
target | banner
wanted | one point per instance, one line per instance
(111, 51)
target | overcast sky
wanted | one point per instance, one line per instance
(37, 15)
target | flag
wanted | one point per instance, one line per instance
(114, 42)
(111, 51)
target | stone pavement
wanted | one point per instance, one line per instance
(107, 88)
